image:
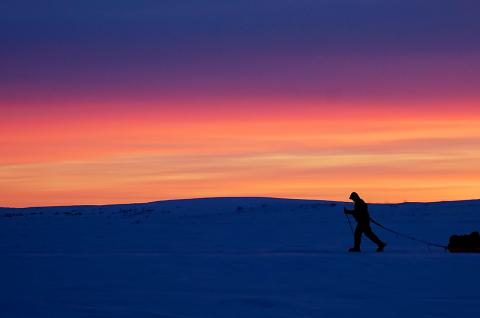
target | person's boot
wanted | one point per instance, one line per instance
(354, 249)
(381, 246)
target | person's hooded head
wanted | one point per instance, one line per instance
(354, 196)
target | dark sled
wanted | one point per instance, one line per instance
(468, 243)
(464, 249)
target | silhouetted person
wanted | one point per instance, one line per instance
(360, 213)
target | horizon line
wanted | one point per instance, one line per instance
(230, 197)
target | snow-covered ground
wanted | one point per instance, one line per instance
(234, 257)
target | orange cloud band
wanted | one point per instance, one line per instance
(307, 151)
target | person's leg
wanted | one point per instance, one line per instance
(368, 232)
(358, 237)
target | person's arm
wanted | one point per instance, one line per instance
(347, 211)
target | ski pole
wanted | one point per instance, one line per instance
(349, 223)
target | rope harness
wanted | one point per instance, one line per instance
(408, 236)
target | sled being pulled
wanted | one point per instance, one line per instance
(468, 243)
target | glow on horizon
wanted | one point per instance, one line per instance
(304, 150)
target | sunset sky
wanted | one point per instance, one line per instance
(133, 101)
